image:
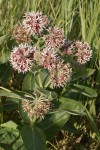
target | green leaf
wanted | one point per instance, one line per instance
(9, 133)
(93, 124)
(8, 93)
(71, 106)
(34, 138)
(3, 38)
(52, 124)
(98, 76)
(23, 114)
(43, 91)
(18, 145)
(15, 94)
(42, 78)
(10, 137)
(5, 73)
(29, 82)
(83, 73)
(70, 127)
(51, 95)
(87, 91)
(9, 124)
(9, 106)
(4, 56)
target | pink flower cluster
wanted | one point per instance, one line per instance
(35, 23)
(81, 51)
(20, 34)
(32, 24)
(22, 58)
(54, 38)
(49, 58)
(61, 74)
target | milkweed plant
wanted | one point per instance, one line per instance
(53, 68)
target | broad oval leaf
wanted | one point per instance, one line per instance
(52, 124)
(33, 138)
(29, 82)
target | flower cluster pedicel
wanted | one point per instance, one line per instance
(22, 58)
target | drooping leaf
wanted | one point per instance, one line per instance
(34, 138)
(71, 106)
(8, 93)
(14, 94)
(87, 91)
(82, 73)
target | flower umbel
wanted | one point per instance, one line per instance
(22, 58)
(35, 23)
(54, 38)
(39, 107)
(48, 58)
(81, 51)
(61, 74)
(19, 34)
